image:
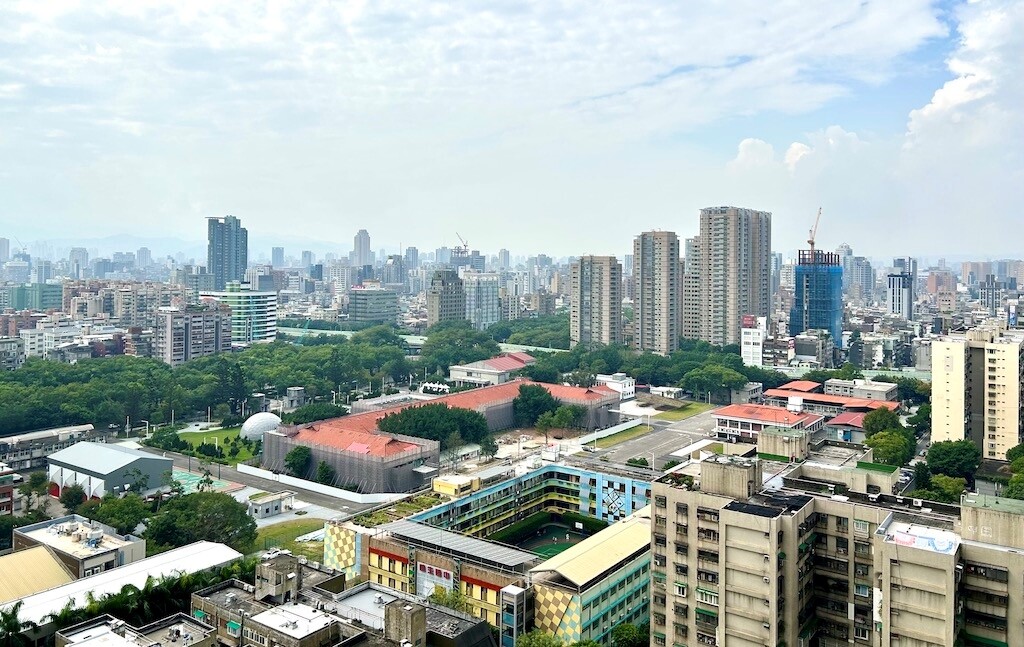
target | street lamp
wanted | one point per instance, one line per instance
(147, 427)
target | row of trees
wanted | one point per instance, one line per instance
(625, 634)
(545, 332)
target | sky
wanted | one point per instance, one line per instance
(557, 127)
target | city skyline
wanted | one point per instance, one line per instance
(890, 117)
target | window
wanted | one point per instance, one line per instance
(707, 597)
(860, 527)
(680, 589)
(862, 590)
(860, 633)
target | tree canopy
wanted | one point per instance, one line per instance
(954, 458)
(209, 516)
(532, 402)
(123, 513)
(890, 447)
(455, 342)
(547, 332)
(436, 422)
(880, 419)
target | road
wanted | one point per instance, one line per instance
(226, 473)
(664, 438)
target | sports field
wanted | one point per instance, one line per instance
(551, 539)
(190, 481)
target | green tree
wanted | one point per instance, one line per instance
(954, 458)
(324, 473)
(35, 489)
(313, 413)
(638, 462)
(7, 525)
(137, 481)
(922, 477)
(297, 461)
(1014, 453)
(881, 419)
(921, 421)
(585, 643)
(436, 422)
(123, 513)
(488, 448)
(538, 638)
(13, 630)
(545, 423)
(532, 402)
(890, 447)
(202, 516)
(451, 598)
(452, 444)
(1015, 488)
(72, 496)
(628, 635)
(455, 342)
(951, 487)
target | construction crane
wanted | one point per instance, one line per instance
(814, 232)
(464, 249)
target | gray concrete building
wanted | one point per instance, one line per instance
(595, 301)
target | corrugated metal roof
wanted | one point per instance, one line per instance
(470, 546)
(193, 558)
(30, 571)
(589, 559)
(102, 458)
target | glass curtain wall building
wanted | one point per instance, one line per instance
(818, 294)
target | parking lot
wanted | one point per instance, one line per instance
(665, 438)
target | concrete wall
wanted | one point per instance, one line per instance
(380, 497)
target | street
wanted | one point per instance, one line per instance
(227, 473)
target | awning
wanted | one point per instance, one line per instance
(199, 613)
(706, 612)
(234, 626)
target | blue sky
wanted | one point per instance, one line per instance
(564, 127)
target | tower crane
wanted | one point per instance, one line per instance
(814, 232)
(464, 249)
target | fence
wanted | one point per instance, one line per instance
(285, 479)
(610, 431)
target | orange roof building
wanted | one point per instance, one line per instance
(372, 461)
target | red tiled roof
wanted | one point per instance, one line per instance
(850, 419)
(525, 358)
(353, 440)
(361, 428)
(502, 363)
(767, 415)
(845, 401)
(807, 386)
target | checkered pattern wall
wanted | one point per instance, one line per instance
(343, 549)
(557, 612)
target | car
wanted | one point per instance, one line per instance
(923, 452)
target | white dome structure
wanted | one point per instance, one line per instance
(258, 424)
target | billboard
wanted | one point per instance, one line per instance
(749, 321)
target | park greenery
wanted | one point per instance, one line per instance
(544, 332)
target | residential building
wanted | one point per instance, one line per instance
(84, 547)
(483, 304)
(821, 551)
(656, 292)
(689, 326)
(446, 298)
(901, 295)
(277, 257)
(227, 253)
(6, 495)
(12, 353)
(818, 294)
(181, 334)
(753, 333)
(144, 257)
(412, 258)
(859, 282)
(393, 274)
(5, 250)
(734, 275)
(595, 301)
(977, 383)
(504, 262)
(253, 313)
(372, 306)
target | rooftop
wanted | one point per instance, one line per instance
(102, 458)
(76, 536)
(588, 560)
(914, 535)
(30, 571)
(804, 386)
(199, 556)
(294, 620)
(1002, 504)
(480, 549)
(361, 427)
(764, 414)
(850, 419)
(839, 400)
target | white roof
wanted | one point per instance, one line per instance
(193, 558)
(102, 458)
(295, 620)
